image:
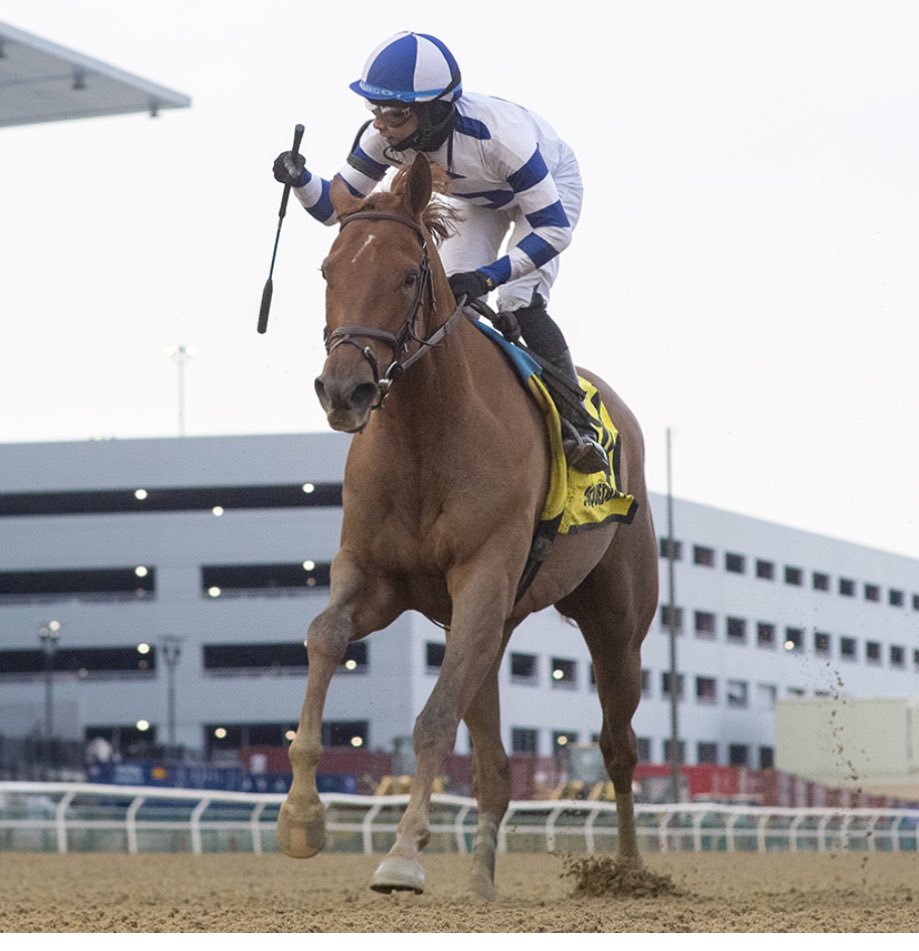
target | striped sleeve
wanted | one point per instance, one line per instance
(538, 199)
(362, 172)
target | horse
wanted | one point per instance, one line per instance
(443, 485)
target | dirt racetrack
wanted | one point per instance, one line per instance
(854, 892)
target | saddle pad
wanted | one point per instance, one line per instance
(576, 501)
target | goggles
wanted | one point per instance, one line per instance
(393, 117)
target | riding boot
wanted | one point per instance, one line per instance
(544, 337)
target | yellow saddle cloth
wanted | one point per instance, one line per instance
(576, 500)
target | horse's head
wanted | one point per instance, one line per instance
(379, 292)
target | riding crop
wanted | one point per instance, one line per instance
(269, 286)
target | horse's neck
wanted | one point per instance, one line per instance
(440, 396)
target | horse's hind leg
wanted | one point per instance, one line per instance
(492, 780)
(613, 608)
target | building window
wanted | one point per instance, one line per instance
(897, 656)
(226, 736)
(820, 581)
(872, 652)
(737, 693)
(707, 754)
(847, 587)
(645, 682)
(665, 685)
(916, 602)
(766, 695)
(434, 655)
(737, 630)
(706, 690)
(916, 658)
(151, 499)
(848, 649)
(794, 638)
(644, 749)
(765, 634)
(766, 757)
(676, 613)
(263, 580)
(523, 668)
(85, 662)
(736, 564)
(872, 592)
(765, 570)
(704, 624)
(524, 741)
(79, 584)
(895, 598)
(701, 555)
(821, 643)
(564, 672)
(677, 549)
(738, 754)
(350, 733)
(272, 657)
(793, 575)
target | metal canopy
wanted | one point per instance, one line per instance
(44, 82)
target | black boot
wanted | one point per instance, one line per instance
(579, 438)
(545, 339)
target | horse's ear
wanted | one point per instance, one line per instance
(420, 185)
(343, 201)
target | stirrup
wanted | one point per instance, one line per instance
(583, 452)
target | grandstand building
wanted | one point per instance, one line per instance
(158, 592)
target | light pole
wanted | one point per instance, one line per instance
(48, 635)
(180, 354)
(172, 651)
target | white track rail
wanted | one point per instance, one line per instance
(71, 817)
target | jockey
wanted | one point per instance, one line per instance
(510, 170)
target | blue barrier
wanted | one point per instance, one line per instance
(159, 775)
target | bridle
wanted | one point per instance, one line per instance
(399, 342)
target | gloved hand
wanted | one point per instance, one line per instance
(473, 284)
(290, 169)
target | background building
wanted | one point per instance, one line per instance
(182, 575)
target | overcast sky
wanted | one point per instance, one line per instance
(744, 273)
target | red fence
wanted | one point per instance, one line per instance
(542, 777)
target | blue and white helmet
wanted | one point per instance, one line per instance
(410, 67)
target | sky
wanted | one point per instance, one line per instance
(744, 272)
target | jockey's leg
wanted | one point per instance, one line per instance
(544, 337)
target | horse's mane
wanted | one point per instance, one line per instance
(438, 217)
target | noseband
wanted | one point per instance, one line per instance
(398, 342)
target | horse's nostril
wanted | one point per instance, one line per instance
(363, 395)
(320, 390)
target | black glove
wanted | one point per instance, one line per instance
(473, 284)
(290, 169)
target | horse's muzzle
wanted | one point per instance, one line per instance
(347, 403)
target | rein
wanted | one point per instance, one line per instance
(398, 342)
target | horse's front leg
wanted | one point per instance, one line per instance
(472, 648)
(301, 831)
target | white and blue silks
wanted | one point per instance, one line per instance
(515, 179)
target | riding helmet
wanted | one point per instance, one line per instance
(419, 70)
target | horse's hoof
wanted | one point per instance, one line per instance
(396, 873)
(483, 887)
(300, 837)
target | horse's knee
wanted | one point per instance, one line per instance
(304, 751)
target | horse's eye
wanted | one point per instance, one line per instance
(411, 279)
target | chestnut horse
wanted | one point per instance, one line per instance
(442, 491)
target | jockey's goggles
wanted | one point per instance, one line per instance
(393, 117)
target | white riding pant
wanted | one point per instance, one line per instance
(484, 233)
